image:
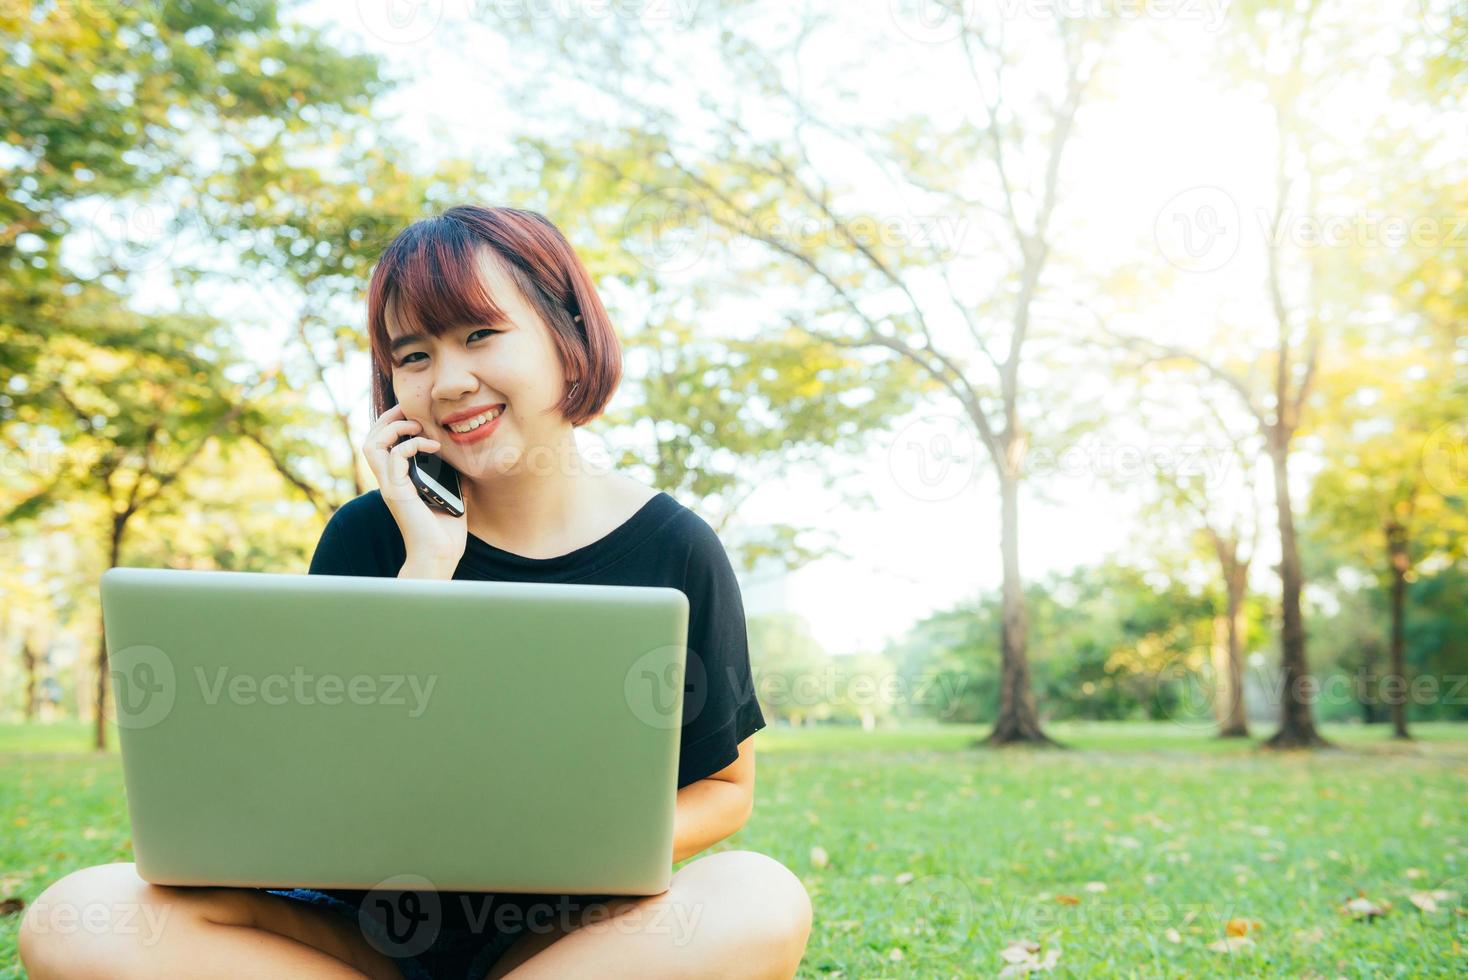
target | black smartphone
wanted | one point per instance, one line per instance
(437, 482)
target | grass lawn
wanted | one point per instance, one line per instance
(1131, 854)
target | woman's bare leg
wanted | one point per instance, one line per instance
(105, 921)
(730, 914)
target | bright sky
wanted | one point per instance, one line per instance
(1173, 170)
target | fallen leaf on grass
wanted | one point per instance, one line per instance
(1019, 950)
(1232, 944)
(1362, 907)
(1022, 957)
(1427, 901)
(1173, 936)
(1095, 886)
(818, 857)
(11, 906)
(1242, 927)
(1067, 900)
(904, 878)
(1424, 901)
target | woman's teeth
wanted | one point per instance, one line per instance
(471, 424)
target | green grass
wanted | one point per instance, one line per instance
(1184, 831)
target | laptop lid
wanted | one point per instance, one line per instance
(337, 732)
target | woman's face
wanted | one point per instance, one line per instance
(477, 366)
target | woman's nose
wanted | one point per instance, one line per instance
(453, 379)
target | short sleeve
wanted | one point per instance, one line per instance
(720, 708)
(354, 543)
(332, 556)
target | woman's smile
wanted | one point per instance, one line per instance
(483, 426)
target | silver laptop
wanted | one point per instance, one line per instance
(340, 732)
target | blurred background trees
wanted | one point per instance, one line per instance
(803, 264)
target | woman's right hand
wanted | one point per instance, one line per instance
(433, 538)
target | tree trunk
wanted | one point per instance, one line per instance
(1297, 720)
(1396, 538)
(1368, 684)
(1232, 722)
(1018, 720)
(119, 526)
(32, 667)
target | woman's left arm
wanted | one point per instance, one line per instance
(714, 807)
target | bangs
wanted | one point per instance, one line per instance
(430, 283)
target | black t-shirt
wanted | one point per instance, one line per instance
(663, 544)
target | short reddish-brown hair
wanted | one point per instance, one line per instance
(428, 277)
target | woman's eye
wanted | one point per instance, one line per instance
(406, 358)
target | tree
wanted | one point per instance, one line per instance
(1385, 497)
(1226, 515)
(1286, 47)
(111, 102)
(128, 105)
(788, 666)
(143, 408)
(848, 285)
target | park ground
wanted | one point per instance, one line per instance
(1143, 850)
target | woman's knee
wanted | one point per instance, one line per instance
(769, 902)
(102, 920)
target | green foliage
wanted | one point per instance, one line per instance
(1109, 642)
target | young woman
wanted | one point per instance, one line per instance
(489, 347)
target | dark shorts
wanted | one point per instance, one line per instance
(445, 935)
